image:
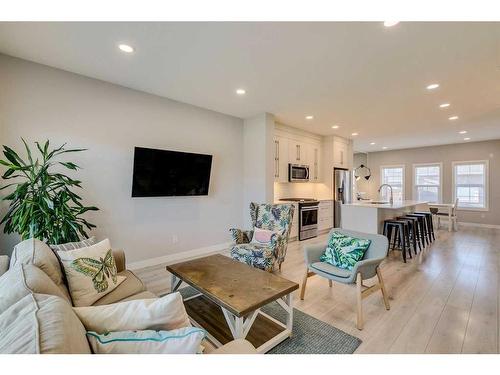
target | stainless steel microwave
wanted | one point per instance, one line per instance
(298, 173)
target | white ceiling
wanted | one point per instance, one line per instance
(362, 76)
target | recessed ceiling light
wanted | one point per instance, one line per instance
(241, 92)
(309, 117)
(335, 127)
(372, 143)
(462, 132)
(433, 86)
(126, 48)
(467, 139)
(453, 118)
(444, 105)
(384, 148)
(354, 134)
(390, 23)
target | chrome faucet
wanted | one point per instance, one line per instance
(391, 199)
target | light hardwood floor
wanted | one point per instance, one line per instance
(445, 302)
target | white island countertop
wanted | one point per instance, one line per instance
(397, 205)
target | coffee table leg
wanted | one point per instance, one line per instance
(287, 304)
(239, 325)
(175, 283)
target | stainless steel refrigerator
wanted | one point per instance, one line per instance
(342, 193)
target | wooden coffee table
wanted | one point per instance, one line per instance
(230, 297)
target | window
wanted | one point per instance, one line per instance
(427, 184)
(470, 184)
(393, 175)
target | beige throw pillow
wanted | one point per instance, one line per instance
(90, 272)
(165, 313)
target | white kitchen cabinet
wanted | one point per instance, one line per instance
(314, 155)
(297, 152)
(280, 159)
(340, 153)
(325, 215)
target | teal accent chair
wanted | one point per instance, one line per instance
(275, 217)
(367, 268)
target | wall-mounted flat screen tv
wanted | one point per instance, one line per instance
(163, 173)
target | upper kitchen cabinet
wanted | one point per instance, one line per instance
(314, 155)
(280, 159)
(342, 154)
(295, 146)
(297, 152)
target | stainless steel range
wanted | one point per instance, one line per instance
(308, 217)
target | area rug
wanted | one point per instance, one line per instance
(310, 335)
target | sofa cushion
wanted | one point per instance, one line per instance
(34, 251)
(141, 295)
(22, 280)
(185, 340)
(40, 324)
(239, 346)
(90, 272)
(165, 313)
(74, 245)
(130, 286)
(4, 264)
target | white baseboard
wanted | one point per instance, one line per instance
(468, 224)
(179, 257)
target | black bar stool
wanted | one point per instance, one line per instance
(430, 223)
(422, 228)
(414, 232)
(400, 236)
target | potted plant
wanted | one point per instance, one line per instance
(42, 203)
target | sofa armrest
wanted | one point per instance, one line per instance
(4, 264)
(119, 256)
(312, 253)
(240, 346)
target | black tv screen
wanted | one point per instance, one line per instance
(162, 173)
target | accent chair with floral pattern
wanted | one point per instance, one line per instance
(274, 217)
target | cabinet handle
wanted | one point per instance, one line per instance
(297, 151)
(342, 157)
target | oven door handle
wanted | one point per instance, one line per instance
(315, 208)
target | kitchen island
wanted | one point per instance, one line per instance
(369, 216)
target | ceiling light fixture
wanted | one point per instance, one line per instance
(309, 117)
(372, 143)
(467, 139)
(444, 105)
(354, 134)
(453, 118)
(462, 132)
(241, 91)
(433, 86)
(390, 23)
(126, 48)
(384, 148)
(335, 127)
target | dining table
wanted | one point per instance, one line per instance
(449, 209)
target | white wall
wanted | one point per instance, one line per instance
(258, 167)
(38, 103)
(487, 150)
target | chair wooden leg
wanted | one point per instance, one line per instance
(279, 267)
(360, 301)
(382, 288)
(304, 283)
(330, 283)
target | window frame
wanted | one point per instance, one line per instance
(403, 183)
(486, 184)
(414, 179)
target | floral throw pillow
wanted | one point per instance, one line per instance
(344, 251)
(262, 236)
(90, 272)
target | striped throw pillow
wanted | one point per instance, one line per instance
(74, 245)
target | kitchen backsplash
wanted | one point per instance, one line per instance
(301, 190)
